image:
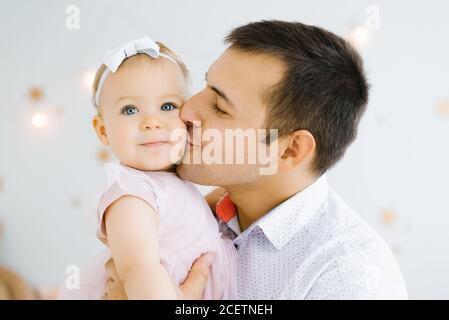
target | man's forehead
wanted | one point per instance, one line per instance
(247, 60)
(236, 72)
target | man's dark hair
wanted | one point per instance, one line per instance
(324, 88)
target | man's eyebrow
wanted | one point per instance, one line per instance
(220, 93)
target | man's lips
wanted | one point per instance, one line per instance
(192, 145)
(190, 141)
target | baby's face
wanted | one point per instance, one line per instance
(139, 113)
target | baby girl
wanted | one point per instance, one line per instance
(154, 224)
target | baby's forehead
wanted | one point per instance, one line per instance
(138, 59)
(143, 62)
(145, 72)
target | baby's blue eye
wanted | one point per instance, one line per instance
(129, 110)
(168, 107)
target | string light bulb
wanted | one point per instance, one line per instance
(39, 119)
(359, 37)
(88, 78)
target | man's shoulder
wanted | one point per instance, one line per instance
(336, 224)
(346, 252)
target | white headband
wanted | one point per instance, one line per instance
(114, 58)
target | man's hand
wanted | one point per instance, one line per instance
(192, 288)
(195, 283)
(114, 289)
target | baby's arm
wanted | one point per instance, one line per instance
(132, 232)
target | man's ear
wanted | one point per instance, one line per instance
(100, 129)
(296, 149)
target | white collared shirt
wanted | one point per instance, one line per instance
(313, 246)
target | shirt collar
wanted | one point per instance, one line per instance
(283, 222)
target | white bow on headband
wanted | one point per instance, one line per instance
(115, 57)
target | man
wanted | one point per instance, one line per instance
(296, 239)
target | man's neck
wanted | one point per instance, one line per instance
(254, 200)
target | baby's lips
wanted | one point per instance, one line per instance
(155, 140)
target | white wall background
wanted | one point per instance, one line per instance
(395, 175)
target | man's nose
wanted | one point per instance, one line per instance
(189, 113)
(150, 122)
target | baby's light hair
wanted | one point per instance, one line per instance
(162, 48)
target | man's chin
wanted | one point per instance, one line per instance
(194, 173)
(185, 171)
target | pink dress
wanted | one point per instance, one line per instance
(187, 229)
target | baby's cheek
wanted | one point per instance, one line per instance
(120, 151)
(178, 128)
(121, 147)
(180, 124)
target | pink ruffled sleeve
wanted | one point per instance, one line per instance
(123, 181)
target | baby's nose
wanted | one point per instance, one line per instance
(151, 123)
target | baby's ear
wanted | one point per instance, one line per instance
(100, 129)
